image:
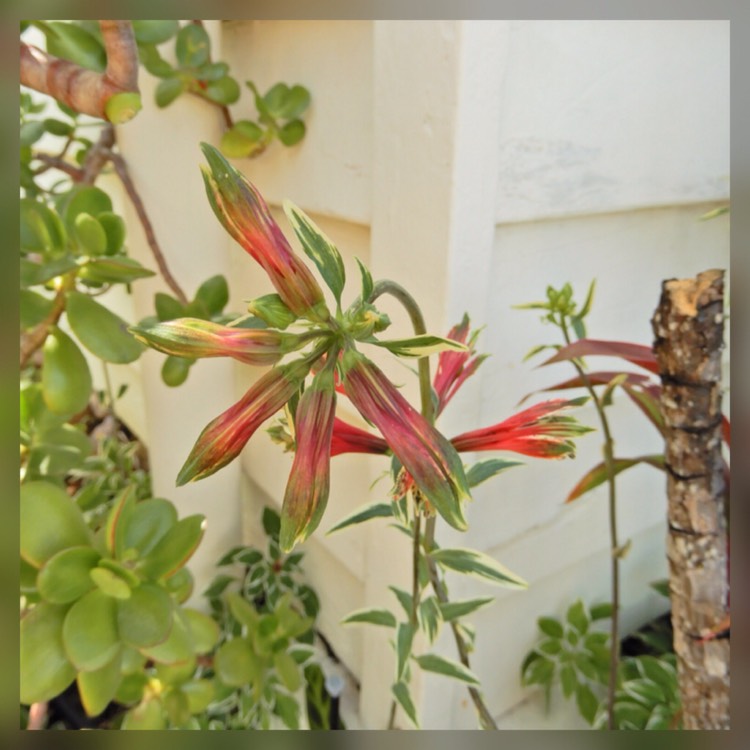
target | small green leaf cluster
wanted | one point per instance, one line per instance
(102, 602)
(572, 654)
(562, 309)
(279, 116)
(266, 616)
(208, 303)
(430, 611)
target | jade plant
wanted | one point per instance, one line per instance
(101, 602)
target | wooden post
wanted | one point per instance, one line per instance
(688, 325)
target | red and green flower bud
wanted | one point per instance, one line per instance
(245, 215)
(271, 309)
(367, 320)
(422, 450)
(538, 431)
(195, 338)
(350, 439)
(307, 490)
(222, 439)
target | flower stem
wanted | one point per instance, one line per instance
(428, 412)
(609, 466)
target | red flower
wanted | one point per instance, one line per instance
(537, 431)
(350, 439)
(224, 437)
(307, 490)
(453, 367)
(421, 449)
(245, 215)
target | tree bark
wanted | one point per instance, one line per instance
(688, 325)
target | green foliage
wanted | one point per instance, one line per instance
(574, 657)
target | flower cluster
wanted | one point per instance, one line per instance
(327, 344)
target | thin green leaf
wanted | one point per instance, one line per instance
(404, 598)
(471, 562)
(376, 510)
(455, 610)
(401, 693)
(367, 282)
(447, 667)
(318, 248)
(372, 616)
(420, 346)
(404, 639)
(550, 626)
(484, 470)
(598, 475)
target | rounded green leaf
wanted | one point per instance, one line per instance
(147, 522)
(98, 688)
(199, 694)
(296, 101)
(110, 583)
(292, 133)
(193, 46)
(235, 145)
(167, 307)
(122, 107)
(146, 715)
(84, 199)
(114, 229)
(275, 99)
(167, 90)
(57, 127)
(90, 631)
(236, 663)
(90, 234)
(288, 670)
(213, 71)
(251, 130)
(176, 705)
(145, 619)
(204, 630)
(175, 548)
(214, 294)
(42, 229)
(551, 627)
(154, 63)
(120, 270)
(225, 90)
(31, 132)
(33, 308)
(101, 331)
(175, 370)
(50, 522)
(178, 647)
(180, 585)
(65, 576)
(66, 380)
(154, 32)
(174, 674)
(45, 669)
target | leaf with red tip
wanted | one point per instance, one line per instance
(598, 475)
(637, 354)
(594, 378)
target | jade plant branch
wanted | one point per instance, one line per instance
(112, 95)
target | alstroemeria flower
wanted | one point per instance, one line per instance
(538, 431)
(224, 437)
(307, 490)
(454, 367)
(422, 450)
(350, 439)
(193, 338)
(245, 215)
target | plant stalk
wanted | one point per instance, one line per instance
(428, 412)
(609, 466)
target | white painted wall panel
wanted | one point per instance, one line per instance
(605, 115)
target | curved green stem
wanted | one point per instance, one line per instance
(428, 540)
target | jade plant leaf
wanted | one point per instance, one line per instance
(236, 663)
(145, 618)
(65, 576)
(98, 687)
(45, 669)
(66, 380)
(146, 524)
(50, 522)
(90, 632)
(175, 548)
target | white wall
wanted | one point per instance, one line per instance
(473, 162)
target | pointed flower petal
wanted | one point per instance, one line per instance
(223, 438)
(194, 338)
(538, 431)
(350, 439)
(454, 367)
(421, 449)
(245, 215)
(307, 490)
